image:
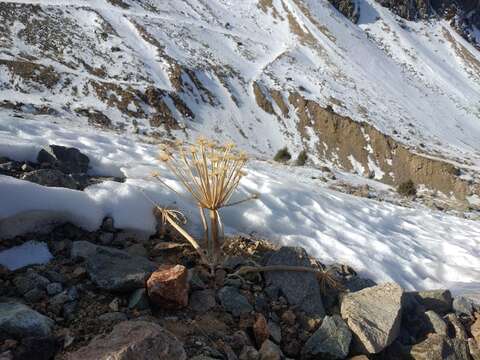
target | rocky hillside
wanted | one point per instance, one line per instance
(266, 74)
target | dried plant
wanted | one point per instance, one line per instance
(211, 174)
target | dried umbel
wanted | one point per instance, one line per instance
(210, 173)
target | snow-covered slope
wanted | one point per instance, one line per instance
(418, 248)
(418, 82)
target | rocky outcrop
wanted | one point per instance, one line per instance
(374, 315)
(69, 160)
(133, 340)
(348, 8)
(345, 143)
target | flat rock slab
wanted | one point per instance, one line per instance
(374, 315)
(301, 289)
(21, 321)
(112, 269)
(131, 340)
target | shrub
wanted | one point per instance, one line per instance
(302, 158)
(282, 155)
(407, 188)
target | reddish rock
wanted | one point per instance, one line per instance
(168, 287)
(260, 329)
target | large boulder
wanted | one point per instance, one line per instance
(19, 320)
(168, 287)
(112, 269)
(440, 347)
(133, 340)
(300, 288)
(330, 341)
(68, 160)
(374, 316)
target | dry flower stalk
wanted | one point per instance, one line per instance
(210, 173)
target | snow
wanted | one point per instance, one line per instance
(29, 253)
(408, 77)
(416, 247)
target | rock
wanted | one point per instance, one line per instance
(474, 349)
(260, 329)
(330, 341)
(475, 329)
(270, 351)
(233, 301)
(374, 315)
(289, 317)
(6, 355)
(249, 353)
(107, 224)
(137, 250)
(357, 283)
(56, 304)
(168, 286)
(438, 347)
(69, 160)
(21, 321)
(38, 348)
(439, 301)
(463, 306)
(106, 238)
(202, 301)
(112, 269)
(51, 178)
(34, 295)
(54, 288)
(275, 331)
(300, 288)
(139, 300)
(460, 332)
(112, 317)
(30, 280)
(133, 340)
(114, 304)
(82, 249)
(435, 323)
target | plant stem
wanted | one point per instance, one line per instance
(215, 239)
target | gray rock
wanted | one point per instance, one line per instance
(439, 301)
(30, 280)
(275, 331)
(373, 315)
(57, 303)
(438, 347)
(270, 351)
(69, 160)
(112, 317)
(133, 340)
(54, 288)
(106, 238)
(116, 270)
(51, 177)
(356, 283)
(35, 295)
(82, 249)
(462, 305)
(202, 300)
(21, 321)
(139, 300)
(233, 301)
(137, 250)
(330, 341)
(436, 323)
(300, 288)
(107, 224)
(69, 310)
